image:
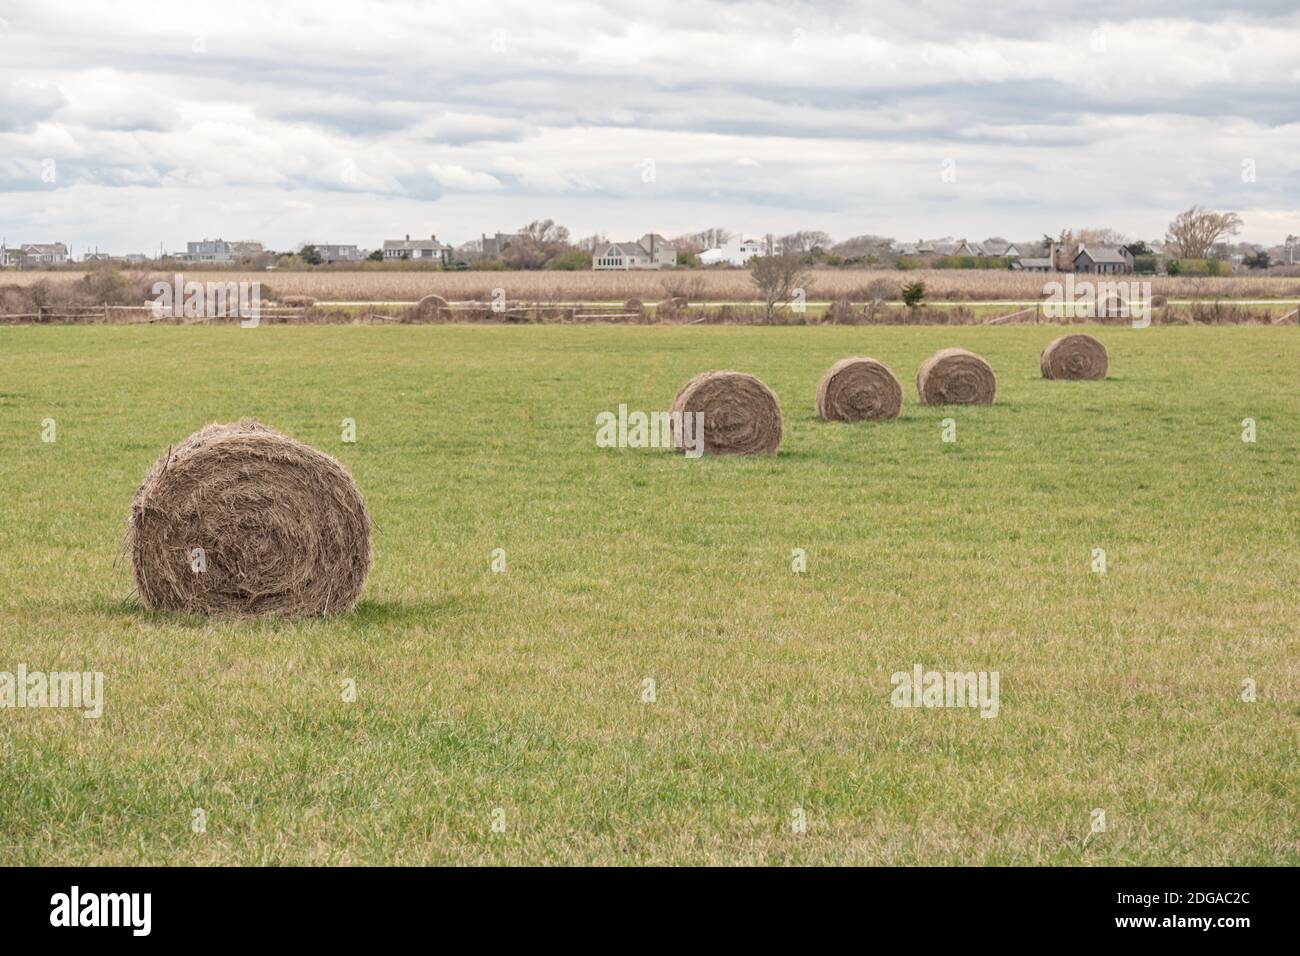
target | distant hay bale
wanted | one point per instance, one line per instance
(741, 415)
(297, 301)
(668, 310)
(239, 519)
(1111, 307)
(1074, 356)
(955, 377)
(634, 305)
(432, 308)
(859, 389)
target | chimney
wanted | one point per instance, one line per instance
(1051, 254)
(408, 237)
(433, 237)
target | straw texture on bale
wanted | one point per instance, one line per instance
(282, 527)
(859, 389)
(955, 377)
(742, 416)
(1074, 356)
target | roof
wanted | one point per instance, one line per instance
(1034, 262)
(1102, 254)
(997, 248)
(413, 244)
(630, 249)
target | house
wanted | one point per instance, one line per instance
(492, 246)
(1032, 264)
(940, 247)
(652, 251)
(736, 252)
(1000, 249)
(340, 253)
(35, 254)
(1102, 259)
(425, 250)
(209, 250)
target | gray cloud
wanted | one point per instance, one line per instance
(764, 116)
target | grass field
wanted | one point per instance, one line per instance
(519, 694)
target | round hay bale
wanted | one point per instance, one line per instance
(1075, 356)
(297, 301)
(859, 389)
(634, 305)
(741, 415)
(667, 311)
(432, 308)
(1112, 307)
(955, 377)
(282, 527)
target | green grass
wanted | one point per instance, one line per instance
(523, 690)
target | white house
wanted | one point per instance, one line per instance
(738, 251)
(652, 251)
(424, 250)
(34, 254)
(735, 252)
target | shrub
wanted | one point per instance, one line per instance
(571, 261)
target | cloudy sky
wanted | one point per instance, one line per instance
(128, 124)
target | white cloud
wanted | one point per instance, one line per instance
(760, 115)
(458, 177)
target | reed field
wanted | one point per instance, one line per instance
(697, 285)
(646, 677)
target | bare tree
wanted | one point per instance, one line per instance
(697, 242)
(597, 240)
(537, 244)
(1105, 236)
(779, 278)
(805, 240)
(1193, 233)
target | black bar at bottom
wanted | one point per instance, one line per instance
(334, 906)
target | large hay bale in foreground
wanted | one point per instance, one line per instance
(955, 377)
(742, 416)
(1074, 356)
(282, 527)
(859, 389)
